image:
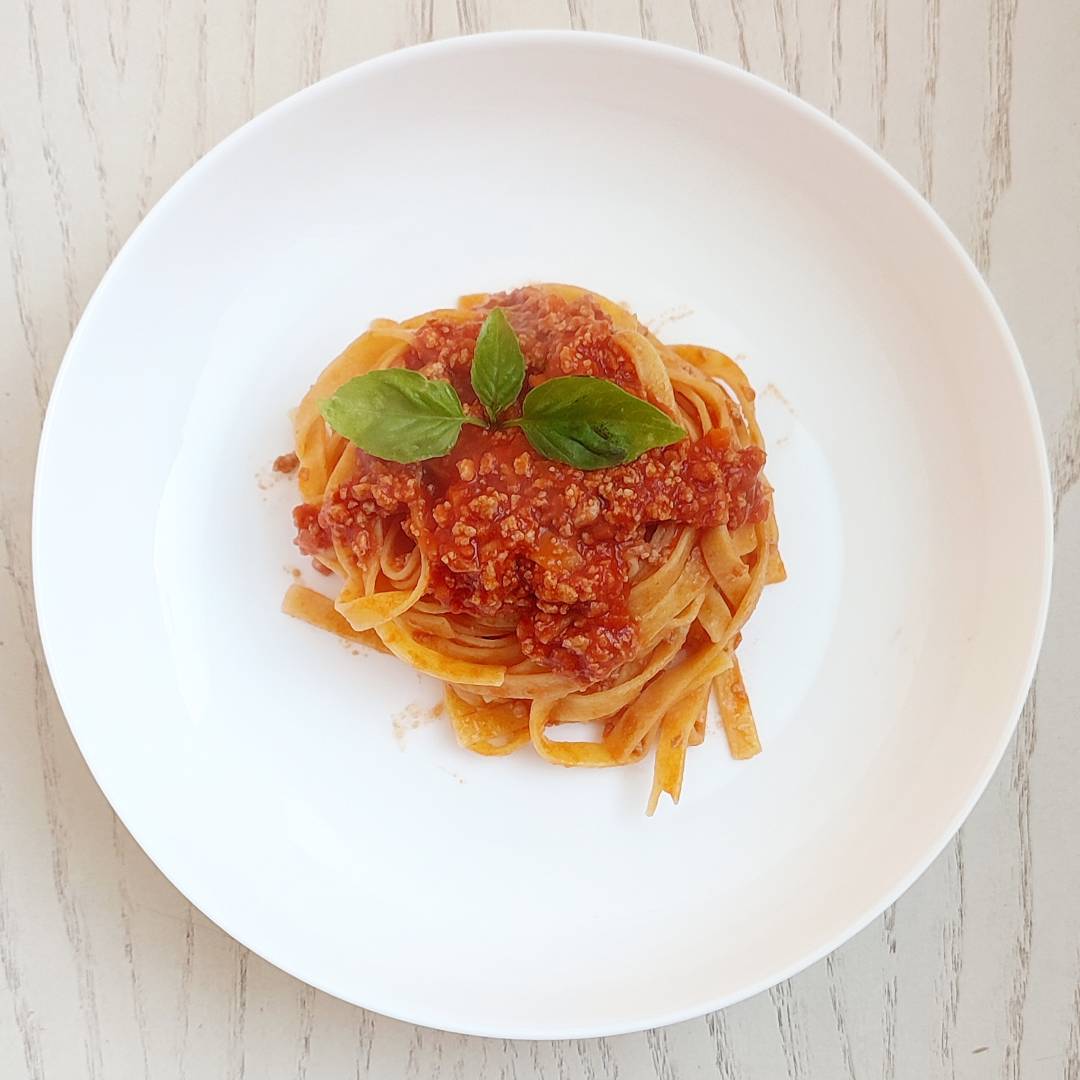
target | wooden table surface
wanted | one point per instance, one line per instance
(108, 972)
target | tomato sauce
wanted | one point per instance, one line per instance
(513, 535)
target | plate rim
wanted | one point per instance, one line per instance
(440, 1019)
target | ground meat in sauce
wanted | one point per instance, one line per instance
(509, 532)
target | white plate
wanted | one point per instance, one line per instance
(260, 763)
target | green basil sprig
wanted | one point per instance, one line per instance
(498, 366)
(590, 423)
(398, 415)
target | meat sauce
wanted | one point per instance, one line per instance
(513, 536)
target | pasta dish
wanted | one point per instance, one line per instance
(531, 498)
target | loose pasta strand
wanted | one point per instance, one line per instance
(676, 729)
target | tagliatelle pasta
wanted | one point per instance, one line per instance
(542, 594)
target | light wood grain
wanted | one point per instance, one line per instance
(107, 972)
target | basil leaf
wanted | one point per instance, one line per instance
(592, 423)
(397, 414)
(498, 367)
